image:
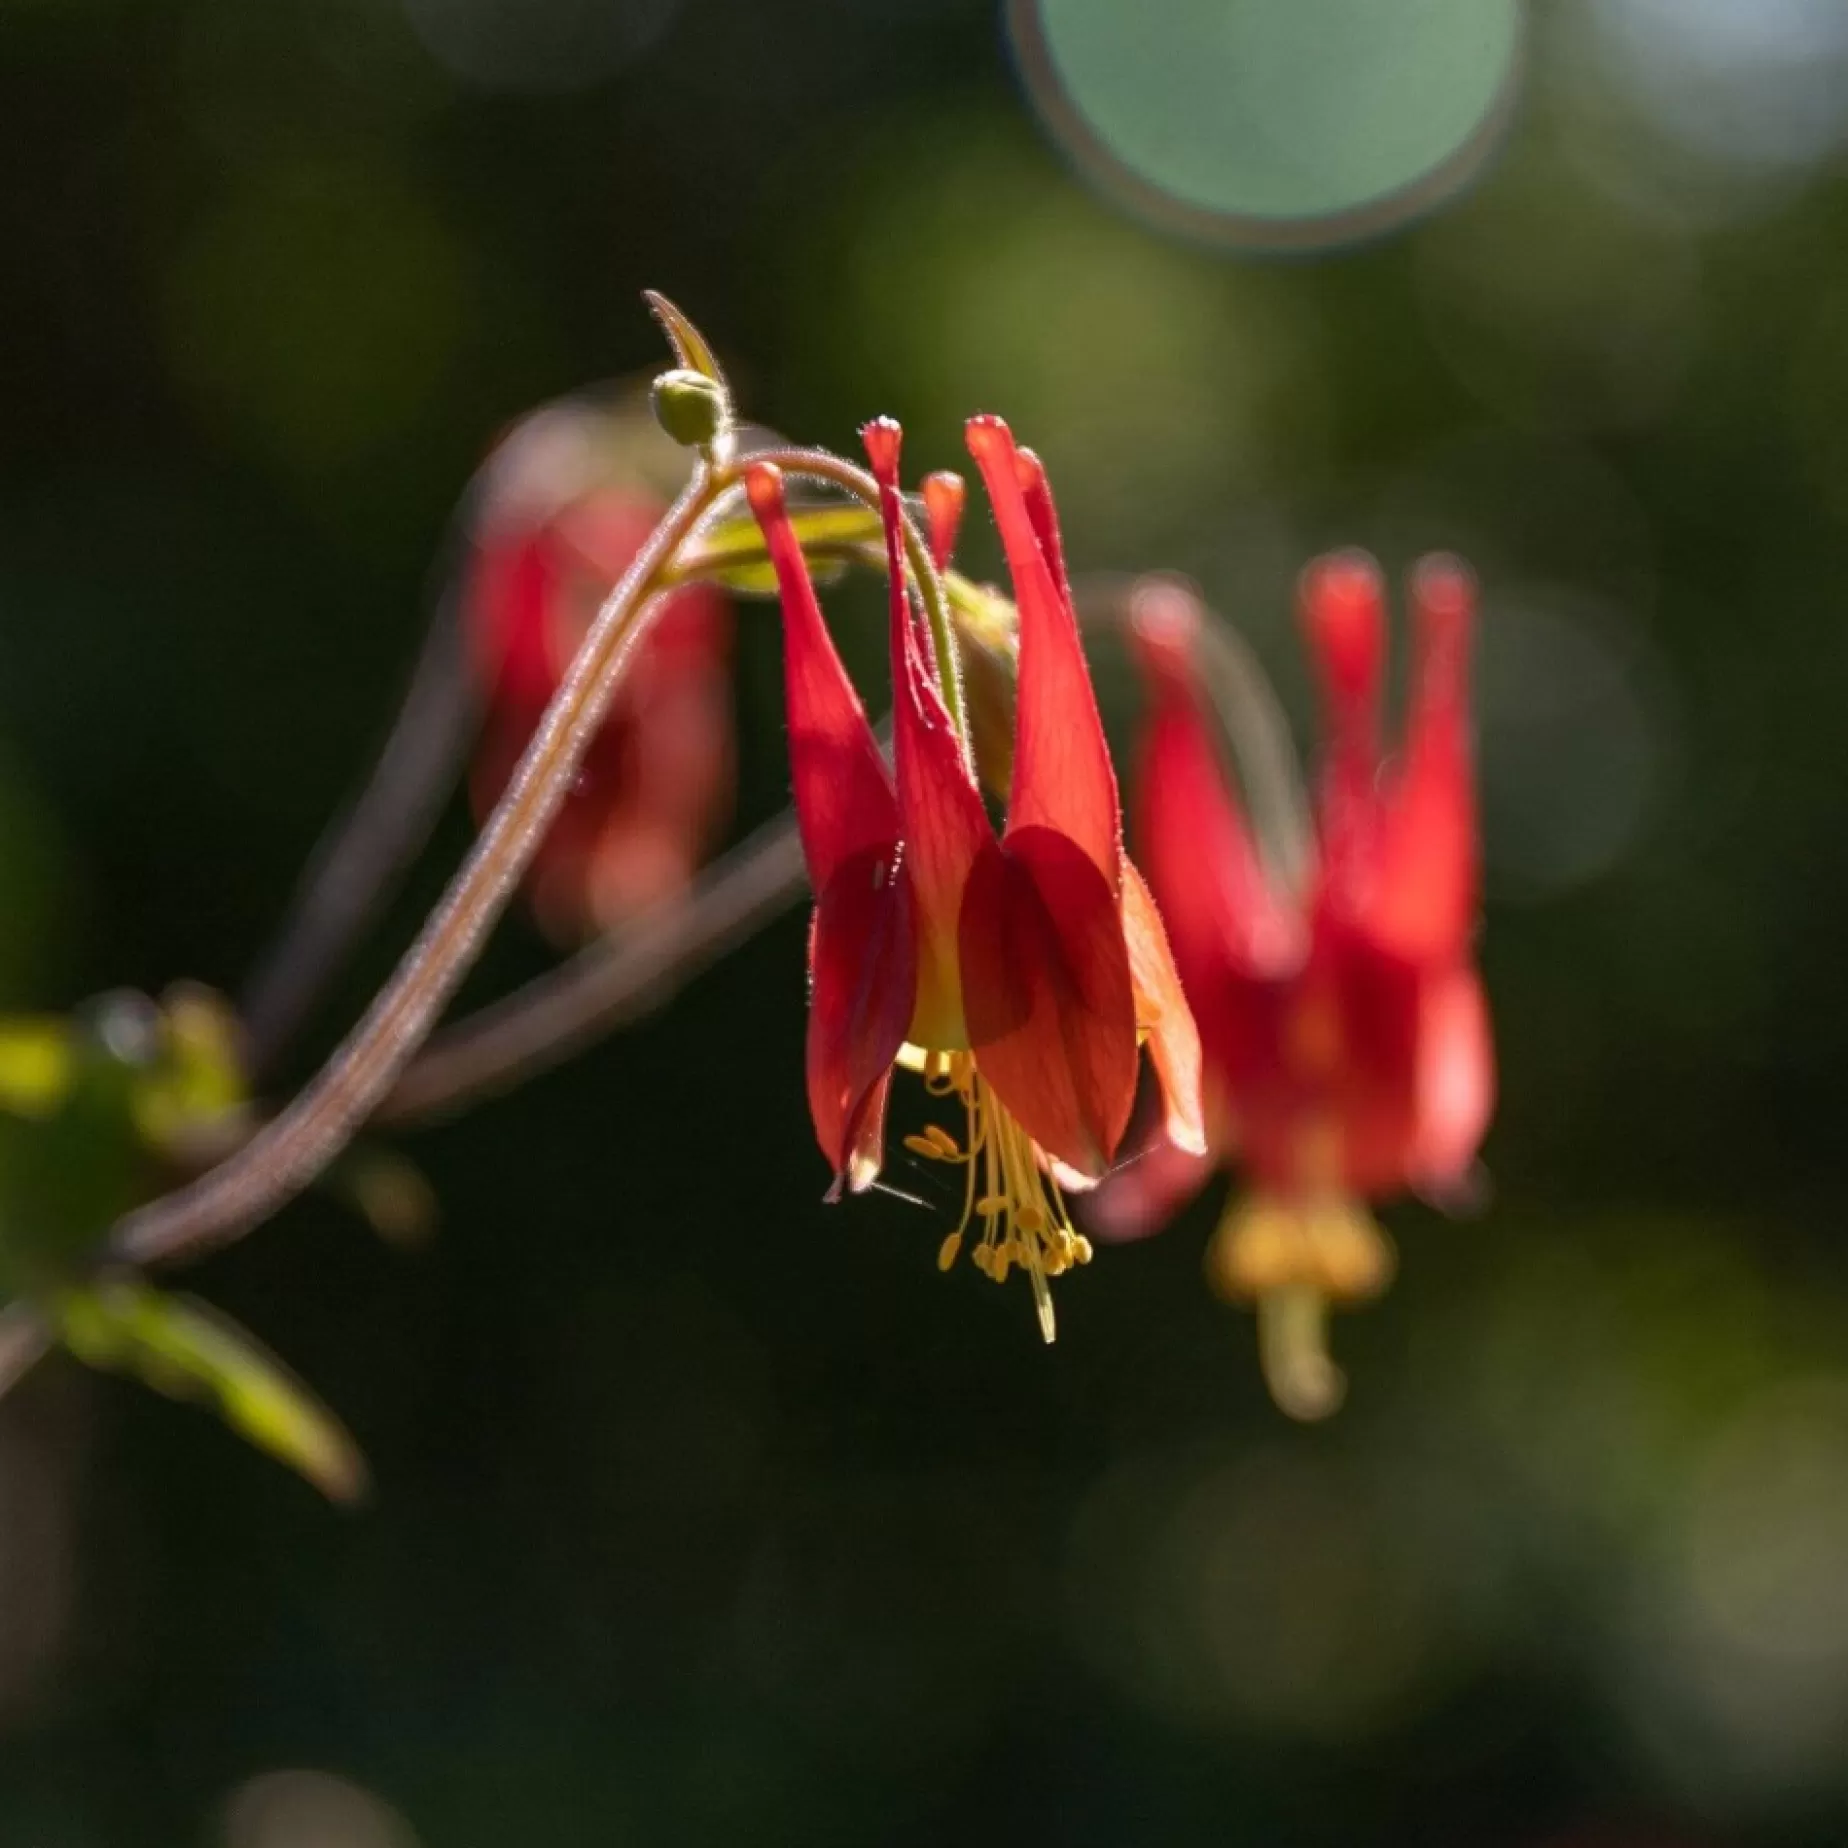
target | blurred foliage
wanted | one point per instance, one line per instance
(706, 1514)
(95, 1112)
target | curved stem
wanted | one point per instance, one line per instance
(1259, 734)
(356, 864)
(287, 1154)
(545, 1022)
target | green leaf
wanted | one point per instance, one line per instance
(731, 553)
(186, 1350)
(690, 346)
(35, 1064)
(196, 1082)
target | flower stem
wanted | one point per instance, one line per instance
(291, 1150)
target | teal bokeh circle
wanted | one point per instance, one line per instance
(1280, 122)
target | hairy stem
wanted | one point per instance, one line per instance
(291, 1150)
(545, 1022)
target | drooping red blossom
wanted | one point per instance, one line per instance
(656, 786)
(1019, 973)
(1345, 1032)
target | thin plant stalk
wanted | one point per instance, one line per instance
(289, 1151)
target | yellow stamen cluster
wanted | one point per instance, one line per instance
(1025, 1221)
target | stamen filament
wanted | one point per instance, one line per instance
(1024, 1219)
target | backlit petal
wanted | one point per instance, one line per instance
(943, 511)
(1063, 777)
(1163, 1016)
(943, 821)
(1343, 617)
(844, 797)
(1141, 1195)
(862, 980)
(1219, 908)
(1047, 994)
(1424, 888)
(1456, 1080)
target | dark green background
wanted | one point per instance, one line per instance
(706, 1514)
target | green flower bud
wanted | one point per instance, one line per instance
(690, 407)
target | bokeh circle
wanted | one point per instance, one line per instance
(1273, 124)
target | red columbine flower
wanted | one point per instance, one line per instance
(1346, 1036)
(1019, 974)
(656, 785)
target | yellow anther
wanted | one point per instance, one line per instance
(1024, 1223)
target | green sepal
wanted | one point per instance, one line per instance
(988, 645)
(185, 1350)
(731, 553)
(691, 347)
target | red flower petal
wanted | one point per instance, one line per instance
(863, 942)
(1218, 905)
(1425, 887)
(862, 979)
(1062, 773)
(943, 509)
(1030, 472)
(1047, 994)
(1343, 615)
(511, 591)
(844, 797)
(944, 824)
(1163, 1016)
(1139, 1198)
(1456, 1079)
(868, 1153)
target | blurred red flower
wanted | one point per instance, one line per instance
(1345, 1032)
(563, 519)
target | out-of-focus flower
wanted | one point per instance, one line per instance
(565, 514)
(1018, 975)
(1346, 1037)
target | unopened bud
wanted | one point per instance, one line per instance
(690, 407)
